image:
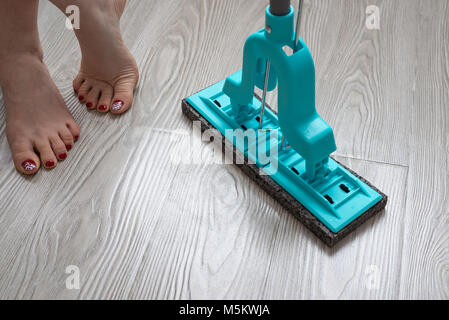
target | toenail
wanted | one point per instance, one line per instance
(50, 164)
(68, 147)
(117, 105)
(76, 138)
(81, 98)
(62, 156)
(29, 165)
(89, 105)
(102, 107)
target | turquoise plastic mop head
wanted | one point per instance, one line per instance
(327, 197)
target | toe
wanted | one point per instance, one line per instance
(105, 99)
(46, 153)
(26, 160)
(83, 91)
(58, 147)
(67, 138)
(77, 82)
(92, 98)
(74, 130)
(123, 97)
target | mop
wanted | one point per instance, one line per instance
(286, 153)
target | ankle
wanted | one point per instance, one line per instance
(17, 61)
(91, 10)
(20, 40)
(11, 55)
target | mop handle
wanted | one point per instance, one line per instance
(279, 7)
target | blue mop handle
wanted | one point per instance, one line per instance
(279, 7)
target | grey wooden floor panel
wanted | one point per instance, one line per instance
(140, 225)
(426, 242)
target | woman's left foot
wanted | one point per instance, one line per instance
(108, 73)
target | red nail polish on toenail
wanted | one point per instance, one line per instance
(68, 147)
(102, 107)
(81, 98)
(29, 165)
(117, 105)
(89, 104)
(50, 164)
(62, 156)
(76, 138)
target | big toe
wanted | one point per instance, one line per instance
(123, 97)
(26, 160)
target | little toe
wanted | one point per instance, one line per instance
(83, 91)
(59, 148)
(105, 99)
(123, 98)
(92, 98)
(26, 160)
(46, 153)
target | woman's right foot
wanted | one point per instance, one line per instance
(39, 127)
(108, 74)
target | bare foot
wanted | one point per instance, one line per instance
(108, 73)
(39, 128)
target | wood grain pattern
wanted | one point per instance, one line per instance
(140, 225)
(427, 206)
